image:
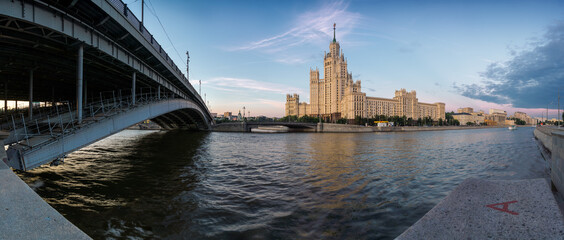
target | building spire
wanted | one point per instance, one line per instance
(334, 27)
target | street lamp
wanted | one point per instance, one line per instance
(558, 117)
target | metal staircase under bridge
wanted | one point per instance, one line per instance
(54, 131)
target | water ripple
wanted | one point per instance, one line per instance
(149, 184)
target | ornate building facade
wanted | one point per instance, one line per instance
(338, 96)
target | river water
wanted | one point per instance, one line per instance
(195, 185)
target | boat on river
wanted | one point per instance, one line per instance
(270, 129)
(513, 127)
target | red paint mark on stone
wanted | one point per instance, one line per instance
(505, 207)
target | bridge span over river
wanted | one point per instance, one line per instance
(87, 69)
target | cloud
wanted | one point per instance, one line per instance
(309, 27)
(277, 104)
(530, 79)
(241, 85)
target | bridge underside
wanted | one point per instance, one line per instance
(52, 57)
(94, 60)
(40, 149)
(52, 48)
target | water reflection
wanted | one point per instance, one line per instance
(179, 184)
(117, 187)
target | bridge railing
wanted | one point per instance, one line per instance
(121, 7)
(40, 131)
(134, 21)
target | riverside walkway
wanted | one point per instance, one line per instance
(26, 216)
(493, 209)
(502, 209)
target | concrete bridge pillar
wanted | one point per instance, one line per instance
(6, 100)
(85, 93)
(31, 94)
(133, 87)
(79, 83)
(159, 92)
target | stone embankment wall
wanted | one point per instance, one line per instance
(343, 128)
(230, 127)
(544, 135)
(333, 127)
(553, 140)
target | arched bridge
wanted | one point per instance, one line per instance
(85, 69)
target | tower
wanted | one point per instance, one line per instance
(315, 93)
(336, 76)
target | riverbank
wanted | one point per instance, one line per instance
(25, 215)
(552, 141)
(334, 128)
(505, 209)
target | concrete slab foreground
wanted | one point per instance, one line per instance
(24, 215)
(493, 209)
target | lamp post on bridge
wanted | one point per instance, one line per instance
(558, 117)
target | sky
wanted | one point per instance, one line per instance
(482, 54)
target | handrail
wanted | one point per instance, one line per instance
(134, 21)
(62, 121)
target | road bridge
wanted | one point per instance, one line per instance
(247, 126)
(87, 69)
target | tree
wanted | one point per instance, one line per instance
(440, 121)
(449, 118)
(519, 121)
(470, 123)
(291, 118)
(357, 120)
(455, 122)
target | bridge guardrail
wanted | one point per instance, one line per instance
(134, 21)
(65, 121)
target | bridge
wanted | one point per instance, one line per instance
(86, 69)
(247, 126)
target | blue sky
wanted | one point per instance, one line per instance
(480, 54)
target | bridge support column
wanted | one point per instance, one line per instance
(85, 93)
(30, 94)
(133, 87)
(6, 100)
(79, 83)
(159, 92)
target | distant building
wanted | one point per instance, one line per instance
(498, 116)
(338, 96)
(465, 118)
(227, 115)
(523, 116)
(466, 110)
(492, 111)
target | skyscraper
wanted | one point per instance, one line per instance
(338, 96)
